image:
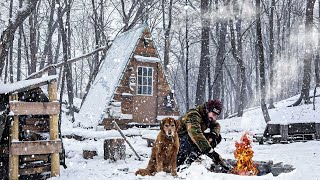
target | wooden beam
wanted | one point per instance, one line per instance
(35, 128)
(37, 121)
(34, 108)
(284, 129)
(35, 147)
(36, 157)
(35, 170)
(54, 130)
(14, 136)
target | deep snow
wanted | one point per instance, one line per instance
(304, 156)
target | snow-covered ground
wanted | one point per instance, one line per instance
(304, 156)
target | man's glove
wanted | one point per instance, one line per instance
(214, 155)
(225, 165)
(218, 159)
(213, 138)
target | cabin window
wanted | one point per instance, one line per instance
(145, 79)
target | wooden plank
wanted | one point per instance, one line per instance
(37, 128)
(34, 108)
(35, 147)
(301, 128)
(35, 170)
(37, 121)
(273, 129)
(54, 131)
(14, 158)
(284, 129)
(150, 51)
(36, 157)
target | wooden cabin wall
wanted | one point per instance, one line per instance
(144, 109)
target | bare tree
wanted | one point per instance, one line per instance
(205, 54)
(11, 50)
(167, 30)
(33, 22)
(317, 59)
(236, 52)
(66, 51)
(271, 54)
(135, 12)
(307, 55)
(261, 65)
(187, 60)
(7, 35)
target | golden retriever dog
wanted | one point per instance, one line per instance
(164, 150)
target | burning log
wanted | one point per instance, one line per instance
(244, 154)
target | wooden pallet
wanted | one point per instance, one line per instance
(36, 156)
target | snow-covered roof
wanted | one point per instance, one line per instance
(25, 84)
(146, 59)
(111, 70)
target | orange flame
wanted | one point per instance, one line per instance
(244, 154)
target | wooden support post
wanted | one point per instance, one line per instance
(14, 159)
(54, 133)
(317, 130)
(284, 132)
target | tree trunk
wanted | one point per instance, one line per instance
(236, 55)
(67, 67)
(261, 65)
(19, 48)
(33, 42)
(7, 35)
(271, 55)
(205, 55)
(10, 50)
(218, 75)
(307, 55)
(167, 30)
(187, 60)
(47, 51)
(96, 33)
(317, 60)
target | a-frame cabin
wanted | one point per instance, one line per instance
(131, 85)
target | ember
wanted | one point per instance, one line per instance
(244, 154)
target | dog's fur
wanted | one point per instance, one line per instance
(165, 150)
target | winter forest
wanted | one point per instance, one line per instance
(244, 52)
(247, 53)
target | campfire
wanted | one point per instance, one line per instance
(244, 154)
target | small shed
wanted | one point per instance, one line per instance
(283, 133)
(131, 85)
(29, 135)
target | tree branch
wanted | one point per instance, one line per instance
(47, 68)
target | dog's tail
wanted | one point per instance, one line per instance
(143, 172)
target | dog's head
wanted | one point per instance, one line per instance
(169, 126)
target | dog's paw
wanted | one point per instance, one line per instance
(174, 174)
(142, 172)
